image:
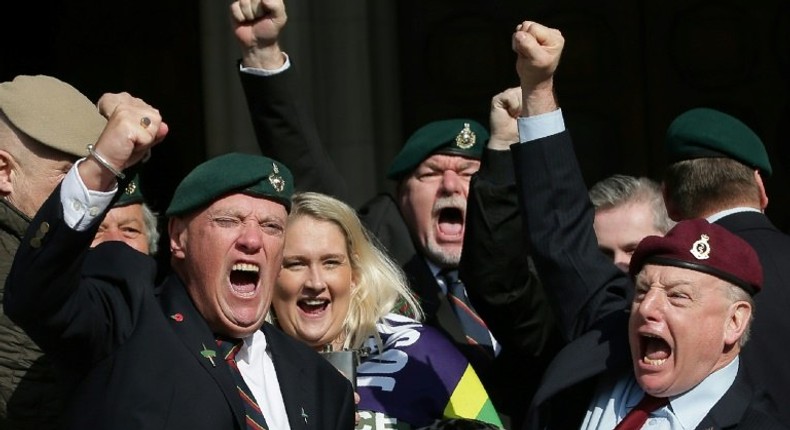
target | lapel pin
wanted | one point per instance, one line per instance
(208, 353)
(177, 317)
(304, 416)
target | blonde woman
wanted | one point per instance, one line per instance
(337, 290)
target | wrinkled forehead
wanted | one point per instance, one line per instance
(441, 161)
(242, 204)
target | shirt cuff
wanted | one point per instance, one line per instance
(81, 206)
(540, 126)
(267, 72)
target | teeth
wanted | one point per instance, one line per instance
(246, 267)
(654, 362)
(313, 302)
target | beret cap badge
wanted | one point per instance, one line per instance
(466, 138)
(277, 181)
(701, 248)
(131, 187)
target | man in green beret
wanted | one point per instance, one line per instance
(718, 166)
(130, 221)
(422, 226)
(193, 352)
(45, 125)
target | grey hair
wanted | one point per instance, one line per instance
(618, 190)
(151, 229)
(738, 294)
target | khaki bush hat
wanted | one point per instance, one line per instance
(52, 112)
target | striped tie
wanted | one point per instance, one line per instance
(474, 327)
(228, 348)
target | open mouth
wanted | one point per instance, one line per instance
(244, 279)
(312, 306)
(655, 350)
(451, 221)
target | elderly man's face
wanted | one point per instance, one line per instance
(620, 229)
(683, 327)
(433, 202)
(125, 224)
(229, 254)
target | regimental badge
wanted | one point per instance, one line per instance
(466, 137)
(701, 248)
(277, 181)
(210, 354)
(131, 187)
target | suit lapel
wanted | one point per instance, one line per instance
(729, 410)
(192, 330)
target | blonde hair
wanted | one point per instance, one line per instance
(380, 282)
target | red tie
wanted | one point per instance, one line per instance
(254, 416)
(638, 415)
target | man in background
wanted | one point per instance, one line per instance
(130, 221)
(45, 125)
(717, 171)
(627, 209)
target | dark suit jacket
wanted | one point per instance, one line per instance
(135, 351)
(763, 355)
(286, 131)
(591, 294)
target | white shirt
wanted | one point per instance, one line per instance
(539, 126)
(254, 355)
(82, 207)
(267, 72)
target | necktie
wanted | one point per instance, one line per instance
(474, 327)
(229, 348)
(635, 419)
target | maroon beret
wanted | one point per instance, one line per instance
(704, 247)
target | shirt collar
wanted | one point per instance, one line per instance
(252, 346)
(719, 215)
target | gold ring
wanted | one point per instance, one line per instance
(145, 121)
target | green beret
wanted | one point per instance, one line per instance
(253, 175)
(131, 194)
(464, 137)
(707, 133)
(52, 112)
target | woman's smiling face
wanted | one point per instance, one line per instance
(313, 290)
